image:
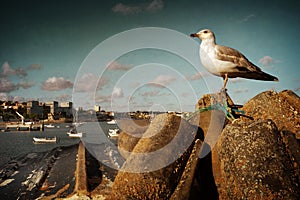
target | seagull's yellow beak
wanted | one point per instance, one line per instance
(194, 35)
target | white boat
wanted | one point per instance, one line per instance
(44, 139)
(49, 126)
(74, 134)
(112, 122)
(113, 132)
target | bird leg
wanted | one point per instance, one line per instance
(225, 81)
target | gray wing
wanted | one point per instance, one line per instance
(244, 68)
(234, 56)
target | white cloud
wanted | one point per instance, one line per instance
(197, 76)
(26, 84)
(8, 71)
(266, 61)
(56, 83)
(150, 93)
(155, 5)
(117, 66)
(162, 81)
(152, 6)
(7, 86)
(87, 82)
(126, 9)
(4, 97)
(117, 93)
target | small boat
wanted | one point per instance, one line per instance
(44, 139)
(74, 134)
(77, 124)
(49, 126)
(113, 132)
(112, 122)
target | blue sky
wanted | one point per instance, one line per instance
(45, 47)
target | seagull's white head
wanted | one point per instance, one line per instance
(205, 34)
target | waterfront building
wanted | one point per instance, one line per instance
(53, 106)
(97, 108)
(34, 107)
(66, 109)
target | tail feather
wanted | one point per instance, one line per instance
(257, 75)
(260, 76)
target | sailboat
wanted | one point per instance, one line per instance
(74, 134)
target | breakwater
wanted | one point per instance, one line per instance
(209, 157)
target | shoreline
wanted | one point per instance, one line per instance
(59, 173)
(46, 173)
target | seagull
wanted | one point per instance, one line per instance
(227, 62)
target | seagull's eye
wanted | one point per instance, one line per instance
(205, 32)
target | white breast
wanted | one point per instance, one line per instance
(211, 63)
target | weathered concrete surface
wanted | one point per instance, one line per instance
(184, 187)
(209, 167)
(283, 108)
(154, 167)
(260, 107)
(214, 98)
(80, 174)
(212, 123)
(132, 131)
(293, 149)
(252, 159)
(255, 163)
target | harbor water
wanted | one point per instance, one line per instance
(14, 144)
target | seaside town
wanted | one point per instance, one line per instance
(63, 112)
(36, 110)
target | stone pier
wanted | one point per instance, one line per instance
(24, 127)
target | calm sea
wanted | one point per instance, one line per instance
(18, 143)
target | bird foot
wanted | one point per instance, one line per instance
(223, 90)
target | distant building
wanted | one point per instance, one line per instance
(56, 110)
(51, 108)
(18, 105)
(6, 104)
(66, 109)
(97, 108)
(34, 107)
(66, 104)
